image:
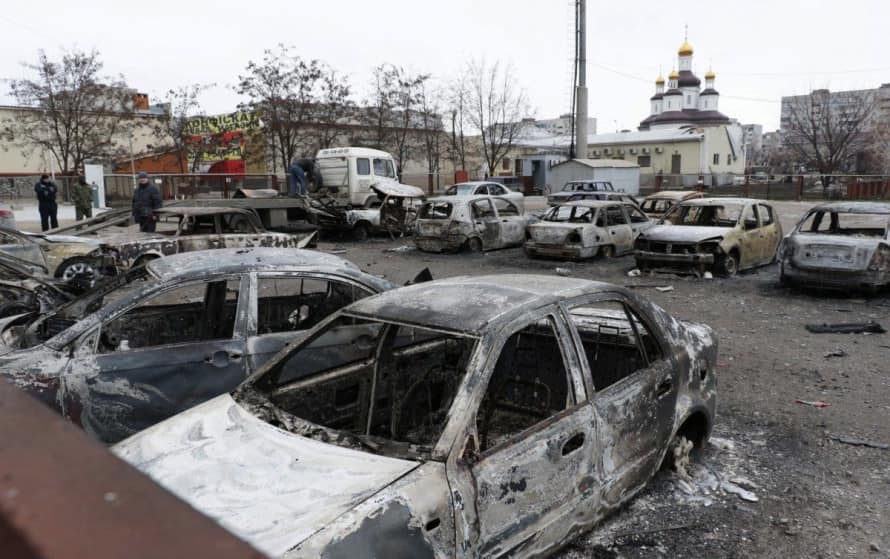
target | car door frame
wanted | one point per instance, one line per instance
(204, 241)
(635, 229)
(670, 367)
(772, 233)
(487, 229)
(464, 453)
(622, 233)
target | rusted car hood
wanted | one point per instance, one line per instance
(272, 488)
(684, 233)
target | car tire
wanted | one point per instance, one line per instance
(360, 232)
(79, 266)
(607, 252)
(474, 244)
(728, 265)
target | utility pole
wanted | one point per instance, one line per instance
(581, 91)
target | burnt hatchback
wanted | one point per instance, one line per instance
(482, 416)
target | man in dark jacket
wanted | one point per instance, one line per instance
(82, 196)
(297, 180)
(46, 202)
(146, 199)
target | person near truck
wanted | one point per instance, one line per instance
(297, 180)
(146, 199)
(46, 202)
(82, 196)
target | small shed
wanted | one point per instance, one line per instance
(624, 175)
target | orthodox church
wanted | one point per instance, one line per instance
(684, 102)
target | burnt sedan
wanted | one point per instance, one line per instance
(586, 229)
(722, 235)
(842, 245)
(174, 334)
(483, 416)
(475, 223)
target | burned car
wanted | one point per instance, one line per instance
(657, 204)
(395, 215)
(842, 245)
(476, 416)
(26, 287)
(477, 223)
(62, 256)
(719, 235)
(586, 229)
(176, 333)
(201, 228)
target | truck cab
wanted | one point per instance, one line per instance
(349, 173)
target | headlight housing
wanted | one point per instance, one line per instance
(880, 260)
(574, 237)
(710, 246)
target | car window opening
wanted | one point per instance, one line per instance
(846, 223)
(705, 216)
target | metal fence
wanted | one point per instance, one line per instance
(781, 187)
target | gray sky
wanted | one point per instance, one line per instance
(760, 49)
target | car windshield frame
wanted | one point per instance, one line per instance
(686, 208)
(876, 216)
(425, 210)
(257, 393)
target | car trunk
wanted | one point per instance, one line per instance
(832, 252)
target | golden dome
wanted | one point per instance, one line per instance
(659, 80)
(710, 75)
(685, 49)
(675, 75)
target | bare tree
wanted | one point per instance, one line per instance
(827, 130)
(73, 112)
(176, 131)
(458, 101)
(496, 108)
(281, 90)
(878, 150)
(332, 110)
(432, 141)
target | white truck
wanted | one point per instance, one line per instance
(348, 173)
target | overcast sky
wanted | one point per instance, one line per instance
(760, 49)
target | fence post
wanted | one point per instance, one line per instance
(800, 188)
(747, 185)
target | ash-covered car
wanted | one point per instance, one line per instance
(477, 223)
(201, 228)
(63, 256)
(586, 229)
(394, 215)
(720, 235)
(173, 334)
(468, 417)
(26, 287)
(575, 190)
(657, 204)
(843, 245)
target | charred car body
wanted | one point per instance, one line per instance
(174, 334)
(657, 204)
(62, 256)
(478, 223)
(201, 228)
(723, 235)
(394, 215)
(483, 416)
(586, 229)
(26, 287)
(839, 245)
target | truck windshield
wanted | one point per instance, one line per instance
(383, 168)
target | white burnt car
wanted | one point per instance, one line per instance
(485, 188)
(477, 223)
(586, 229)
(471, 417)
(840, 245)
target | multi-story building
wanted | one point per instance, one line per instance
(753, 140)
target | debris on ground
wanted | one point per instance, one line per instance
(635, 273)
(816, 404)
(657, 286)
(870, 327)
(859, 442)
(336, 251)
(665, 289)
(708, 275)
(563, 272)
(835, 353)
(403, 248)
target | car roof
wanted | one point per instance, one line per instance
(473, 303)
(717, 201)
(202, 210)
(854, 207)
(596, 203)
(240, 260)
(465, 198)
(671, 194)
(475, 183)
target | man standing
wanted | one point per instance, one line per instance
(146, 199)
(46, 202)
(82, 196)
(297, 180)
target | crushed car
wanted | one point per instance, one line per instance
(717, 235)
(468, 417)
(200, 228)
(585, 229)
(63, 256)
(395, 214)
(178, 332)
(842, 245)
(475, 223)
(657, 204)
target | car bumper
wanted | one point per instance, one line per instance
(560, 251)
(833, 278)
(692, 260)
(449, 243)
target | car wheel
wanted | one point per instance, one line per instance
(360, 232)
(80, 268)
(607, 251)
(474, 244)
(728, 265)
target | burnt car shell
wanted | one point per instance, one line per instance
(829, 255)
(312, 490)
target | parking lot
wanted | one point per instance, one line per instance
(780, 478)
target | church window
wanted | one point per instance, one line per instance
(728, 159)
(716, 159)
(689, 99)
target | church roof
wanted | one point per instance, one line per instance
(657, 96)
(688, 79)
(647, 137)
(687, 116)
(710, 91)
